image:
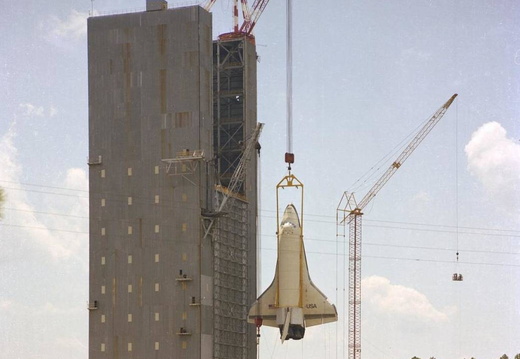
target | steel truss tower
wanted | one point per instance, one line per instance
(354, 292)
(234, 235)
(348, 213)
(231, 282)
(234, 88)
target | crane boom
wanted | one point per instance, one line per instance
(349, 212)
(238, 177)
(425, 130)
(256, 10)
(250, 15)
(208, 5)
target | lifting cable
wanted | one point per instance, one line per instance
(457, 276)
(457, 175)
(457, 272)
(259, 225)
(341, 279)
(289, 156)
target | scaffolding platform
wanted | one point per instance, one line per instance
(184, 163)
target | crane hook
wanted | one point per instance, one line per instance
(289, 159)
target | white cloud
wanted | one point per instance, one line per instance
(5, 304)
(45, 309)
(421, 201)
(422, 197)
(73, 27)
(53, 111)
(72, 343)
(398, 300)
(42, 331)
(30, 110)
(21, 223)
(495, 160)
(76, 179)
(7, 153)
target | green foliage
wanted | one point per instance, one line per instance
(517, 356)
(504, 356)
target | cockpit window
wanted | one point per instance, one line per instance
(287, 223)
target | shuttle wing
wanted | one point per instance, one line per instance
(264, 306)
(316, 308)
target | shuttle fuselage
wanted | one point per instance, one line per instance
(292, 302)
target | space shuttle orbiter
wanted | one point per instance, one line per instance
(292, 302)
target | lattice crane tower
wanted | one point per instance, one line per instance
(350, 212)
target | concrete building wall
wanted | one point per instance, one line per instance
(150, 97)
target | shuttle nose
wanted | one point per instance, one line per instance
(290, 215)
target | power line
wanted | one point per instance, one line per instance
(330, 253)
(47, 213)
(438, 249)
(317, 221)
(332, 220)
(123, 198)
(42, 228)
(306, 238)
(440, 261)
(443, 225)
(408, 259)
(45, 186)
(43, 192)
(516, 233)
(505, 231)
(408, 246)
(445, 231)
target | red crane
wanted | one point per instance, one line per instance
(256, 10)
(249, 15)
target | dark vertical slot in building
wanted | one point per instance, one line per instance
(234, 113)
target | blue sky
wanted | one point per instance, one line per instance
(366, 74)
